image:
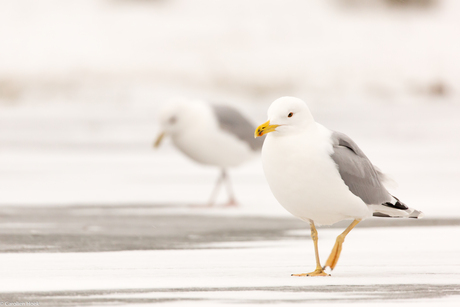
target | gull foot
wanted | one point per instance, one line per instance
(231, 203)
(317, 272)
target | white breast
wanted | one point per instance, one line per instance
(206, 143)
(305, 180)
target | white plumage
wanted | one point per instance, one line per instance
(210, 134)
(305, 180)
(194, 129)
(322, 176)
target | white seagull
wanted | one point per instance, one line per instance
(321, 176)
(210, 134)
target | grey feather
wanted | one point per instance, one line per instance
(232, 121)
(357, 171)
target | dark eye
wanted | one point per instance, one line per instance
(290, 114)
(173, 120)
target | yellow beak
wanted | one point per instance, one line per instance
(158, 140)
(264, 129)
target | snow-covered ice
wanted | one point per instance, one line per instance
(404, 265)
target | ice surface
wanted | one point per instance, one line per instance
(406, 265)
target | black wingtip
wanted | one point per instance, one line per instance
(397, 205)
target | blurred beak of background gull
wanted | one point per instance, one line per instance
(158, 140)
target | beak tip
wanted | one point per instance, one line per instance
(264, 129)
(157, 142)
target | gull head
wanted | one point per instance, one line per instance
(286, 115)
(178, 116)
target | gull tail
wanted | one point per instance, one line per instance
(396, 209)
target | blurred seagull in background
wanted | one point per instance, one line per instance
(322, 176)
(210, 134)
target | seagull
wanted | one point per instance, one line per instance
(210, 134)
(322, 176)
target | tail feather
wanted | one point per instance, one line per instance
(395, 209)
(416, 214)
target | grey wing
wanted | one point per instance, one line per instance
(235, 123)
(357, 171)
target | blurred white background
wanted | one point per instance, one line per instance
(81, 83)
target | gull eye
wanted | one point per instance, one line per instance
(290, 114)
(173, 120)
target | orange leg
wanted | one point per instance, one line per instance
(319, 270)
(335, 254)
